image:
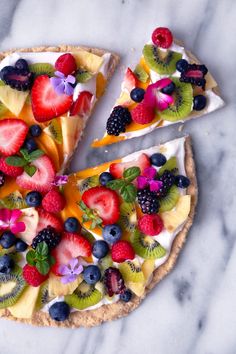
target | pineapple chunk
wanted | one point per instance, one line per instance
(14, 100)
(88, 61)
(174, 218)
(25, 306)
(56, 288)
(70, 127)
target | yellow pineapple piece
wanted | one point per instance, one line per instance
(25, 306)
(88, 61)
(174, 218)
(57, 288)
(13, 99)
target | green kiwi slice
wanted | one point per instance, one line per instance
(87, 183)
(131, 272)
(169, 201)
(141, 74)
(170, 165)
(11, 288)
(128, 216)
(86, 234)
(147, 247)
(54, 130)
(105, 262)
(84, 296)
(43, 297)
(83, 76)
(13, 200)
(183, 102)
(42, 69)
(163, 62)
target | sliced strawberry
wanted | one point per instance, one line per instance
(12, 171)
(82, 105)
(104, 201)
(12, 135)
(66, 64)
(42, 180)
(71, 246)
(46, 103)
(46, 219)
(130, 80)
(117, 169)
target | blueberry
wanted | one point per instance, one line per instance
(137, 94)
(92, 274)
(169, 89)
(8, 239)
(35, 130)
(30, 145)
(182, 65)
(21, 246)
(104, 178)
(126, 296)
(100, 249)
(33, 199)
(21, 64)
(199, 102)
(111, 233)
(182, 181)
(59, 311)
(158, 159)
(6, 264)
(71, 224)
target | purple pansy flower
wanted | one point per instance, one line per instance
(148, 180)
(71, 271)
(62, 83)
(60, 180)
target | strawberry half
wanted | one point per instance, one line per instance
(117, 169)
(71, 246)
(82, 105)
(46, 103)
(12, 135)
(48, 219)
(42, 180)
(130, 80)
(105, 202)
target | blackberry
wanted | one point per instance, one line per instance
(119, 118)
(113, 281)
(48, 235)
(2, 178)
(194, 74)
(168, 179)
(16, 78)
(148, 201)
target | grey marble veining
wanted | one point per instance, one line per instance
(192, 311)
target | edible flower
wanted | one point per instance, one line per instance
(62, 83)
(155, 98)
(71, 271)
(60, 180)
(8, 220)
(148, 180)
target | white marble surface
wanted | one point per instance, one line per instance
(193, 310)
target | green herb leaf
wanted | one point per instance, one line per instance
(30, 258)
(30, 170)
(43, 267)
(51, 260)
(93, 225)
(116, 184)
(129, 193)
(42, 249)
(25, 154)
(82, 206)
(16, 161)
(131, 173)
(35, 155)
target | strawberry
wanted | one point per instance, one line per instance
(53, 201)
(150, 225)
(105, 202)
(42, 180)
(117, 169)
(46, 103)
(72, 245)
(32, 275)
(122, 251)
(143, 113)
(47, 219)
(130, 80)
(66, 64)
(12, 171)
(82, 105)
(12, 135)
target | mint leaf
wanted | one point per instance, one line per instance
(131, 173)
(51, 260)
(15, 161)
(82, 206)
(43, 267)
(25, 154)
(30, 170)
(116, 184)
(35, 155)
(30, 258)
(129, 193)
(42, 249)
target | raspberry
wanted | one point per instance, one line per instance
(113, 281)
(142, 113)
(150, 225)
(121, 251)
(148, 201)
(53, 201)
(168, 179)
(2, 178)
(119, 118)
(12, 171)
(48, 235)
(32, 276)
(66, 64)
(162, 37)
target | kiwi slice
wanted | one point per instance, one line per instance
(54, 130)
(83, 76)
(42, 69)
(170, 165)
(87, 183)
(141, 74)
(128, 216)
(131, 271)
(43, 297)
(3, 109)
(163, 62)
(183, 102)
(105, 262)
(13, 200)
(170, 200)
(11, 288)
(86, 234)
(147, 247)
(84, 296)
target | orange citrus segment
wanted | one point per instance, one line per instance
(100, 85)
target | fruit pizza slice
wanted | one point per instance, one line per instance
(91, 248)
(168, 85)
(47, 95)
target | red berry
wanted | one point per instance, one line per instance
(12, 171)
(82, 105)
(47, 219)
(117, 169)
(162, 37)
(150, 225)
(53, 201)
(143, 113)
(32, 275)
(12, 135)
(122, 251)
(66, 64)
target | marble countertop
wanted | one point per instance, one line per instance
(192, 309)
